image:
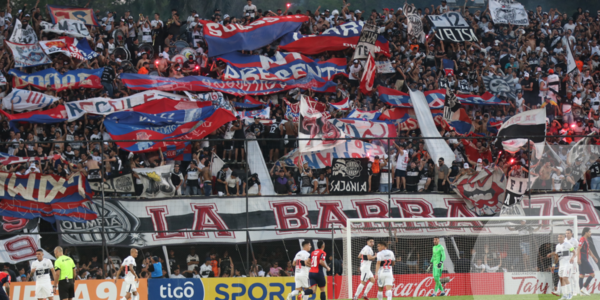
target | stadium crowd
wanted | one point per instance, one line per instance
(534, 55)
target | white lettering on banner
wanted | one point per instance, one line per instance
(347, 29)
(349, 187)
(214, 29)
(22, 100)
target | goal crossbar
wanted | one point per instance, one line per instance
(350, 221)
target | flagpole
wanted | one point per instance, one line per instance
(528, 174)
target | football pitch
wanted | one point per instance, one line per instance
(497, 297)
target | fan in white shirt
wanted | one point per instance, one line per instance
(564, 256)
(41, 269)
(302, 263)
(176, 274)
(131, 279)
(205, 268)
(366, 255)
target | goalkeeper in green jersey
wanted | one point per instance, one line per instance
(437, 262)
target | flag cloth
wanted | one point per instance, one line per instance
(344, 104)
(47, 196)
(80, 78)
(372, 115)
(482, 191)
(235, 37)
(516, 131)
(317, 131)
(28, 55)
(324, 158)
(434, 98)
(85, 15)
(337, 38)
(448, 66)
(153, 122)
(368, 78)
(50, 116)
(296, 69)
(571, 65)
(22, 100)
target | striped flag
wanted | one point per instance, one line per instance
(368, 78)
(516, 131)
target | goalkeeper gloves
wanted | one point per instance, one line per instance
(439, 266)
(429, 268)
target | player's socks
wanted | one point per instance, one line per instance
(323, 297)
(389, 294)
(564, 290)
(587, 281)
(359, 290)
(581, 283)
(380, 295)
(369, 286)
(293, 294)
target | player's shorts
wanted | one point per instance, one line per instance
(3, 295)
(565, 270)
(585, 267)
(575, 267)
(302, 281)
(43, 290)
(366, 275)
(129, 287)
(385, 279)
(66, 289)
(317, 279)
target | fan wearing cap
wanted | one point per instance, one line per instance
(354, 74)
(557, 179)
(466, 170)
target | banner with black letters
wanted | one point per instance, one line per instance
(451, 26)
(120, 184)
(366, 42)
(349, 175)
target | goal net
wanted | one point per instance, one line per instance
(482, 256)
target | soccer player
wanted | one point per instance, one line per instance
(437, 260)
(302, 263)
(131, 277)
(574, 280)
(366, 255)
(564, 256)
(41, 269)
(317, 264)
(383, 270)
(583, 256)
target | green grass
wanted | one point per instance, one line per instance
(499, 297)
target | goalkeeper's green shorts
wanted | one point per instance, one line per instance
(437, 272)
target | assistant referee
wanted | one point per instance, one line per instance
(65, 270)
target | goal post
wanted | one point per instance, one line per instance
(486, 246)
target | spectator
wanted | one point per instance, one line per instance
(206, 268)
(177, 179)
(233, 185)
(192, 259)
(254, 185)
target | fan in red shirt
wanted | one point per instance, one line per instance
(4, 280)
(317, 263)
(583, 260)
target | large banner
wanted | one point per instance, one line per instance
(414, 22)
(336, 38)
(49, 116)
(236, 88)
(85, 15)
(326, 70)
(23, 100)
(483, 191)
(315, 131)
(120, 184)
(84, 290)
(285, 212)
(21, 248)
(80, 78)
(365, 129)
(508, 12)
(500, 86)
(234, 37)
(435, 98)
(47, 196)
(157, 181)
(22, 35)
(366, 42)
(69, 46)
(74, 28)
(28, 55)
(451, 26)
(106, 106)
(349, 175)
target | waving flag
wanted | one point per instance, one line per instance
(28, 55)
(7, 159)
(399, 99)
(325, 70)
(336, 38)
(406, 119)
(80, 78)
(50, 116)
(368, 77)
(85, 15)
(47, 196)
(365, 129)
(324, 158)
(364, 115)
(494, 125)
(22, 100)
(239, 60)
(486, 99)
(264, 114)
(344, 104)
(237, 88)
(460, 122)
(248, 103)
(153, 122)
(532, 124)
(448, 66)
(234, 37)
(315, 127)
